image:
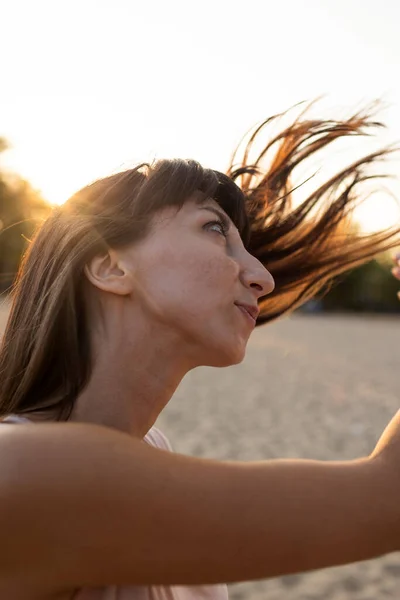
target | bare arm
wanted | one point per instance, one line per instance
(85, 505)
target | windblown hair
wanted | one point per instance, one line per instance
(45, 357)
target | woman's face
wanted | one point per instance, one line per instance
(190, 273)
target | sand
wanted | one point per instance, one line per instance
(321, 387)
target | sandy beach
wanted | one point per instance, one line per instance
(321, 387)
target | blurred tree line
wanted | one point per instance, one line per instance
(370, 287)
(21, 210)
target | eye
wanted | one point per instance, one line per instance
(220, 224)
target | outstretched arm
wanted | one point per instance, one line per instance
(86, 505)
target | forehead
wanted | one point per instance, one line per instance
(191, 207)
(205, 203)
(179, 216)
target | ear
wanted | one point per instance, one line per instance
(108, 272)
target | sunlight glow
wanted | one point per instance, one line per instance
(77, 111)
(378, 214)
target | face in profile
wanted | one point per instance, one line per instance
(189, 274)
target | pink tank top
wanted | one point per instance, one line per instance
(176, 592)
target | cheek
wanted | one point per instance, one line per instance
(191, 281)
(216, 272)
(210, 285)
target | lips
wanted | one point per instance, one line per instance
(252, 311)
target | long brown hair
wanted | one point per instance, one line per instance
(45, 358)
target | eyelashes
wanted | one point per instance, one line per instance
(221, 225)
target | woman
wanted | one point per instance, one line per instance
(137, 279)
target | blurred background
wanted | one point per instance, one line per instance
(90, 87)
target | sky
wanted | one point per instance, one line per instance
(89, 87)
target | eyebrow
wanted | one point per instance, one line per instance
(222, 215)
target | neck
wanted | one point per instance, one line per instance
(129, 388)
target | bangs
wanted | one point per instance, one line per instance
(173, 182)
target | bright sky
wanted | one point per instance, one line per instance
(93, 86)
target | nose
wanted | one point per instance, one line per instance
(257, 277)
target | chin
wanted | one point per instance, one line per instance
(224, 357)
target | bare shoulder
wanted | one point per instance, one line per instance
(32, 453)
(60, 483)
(41, 470)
